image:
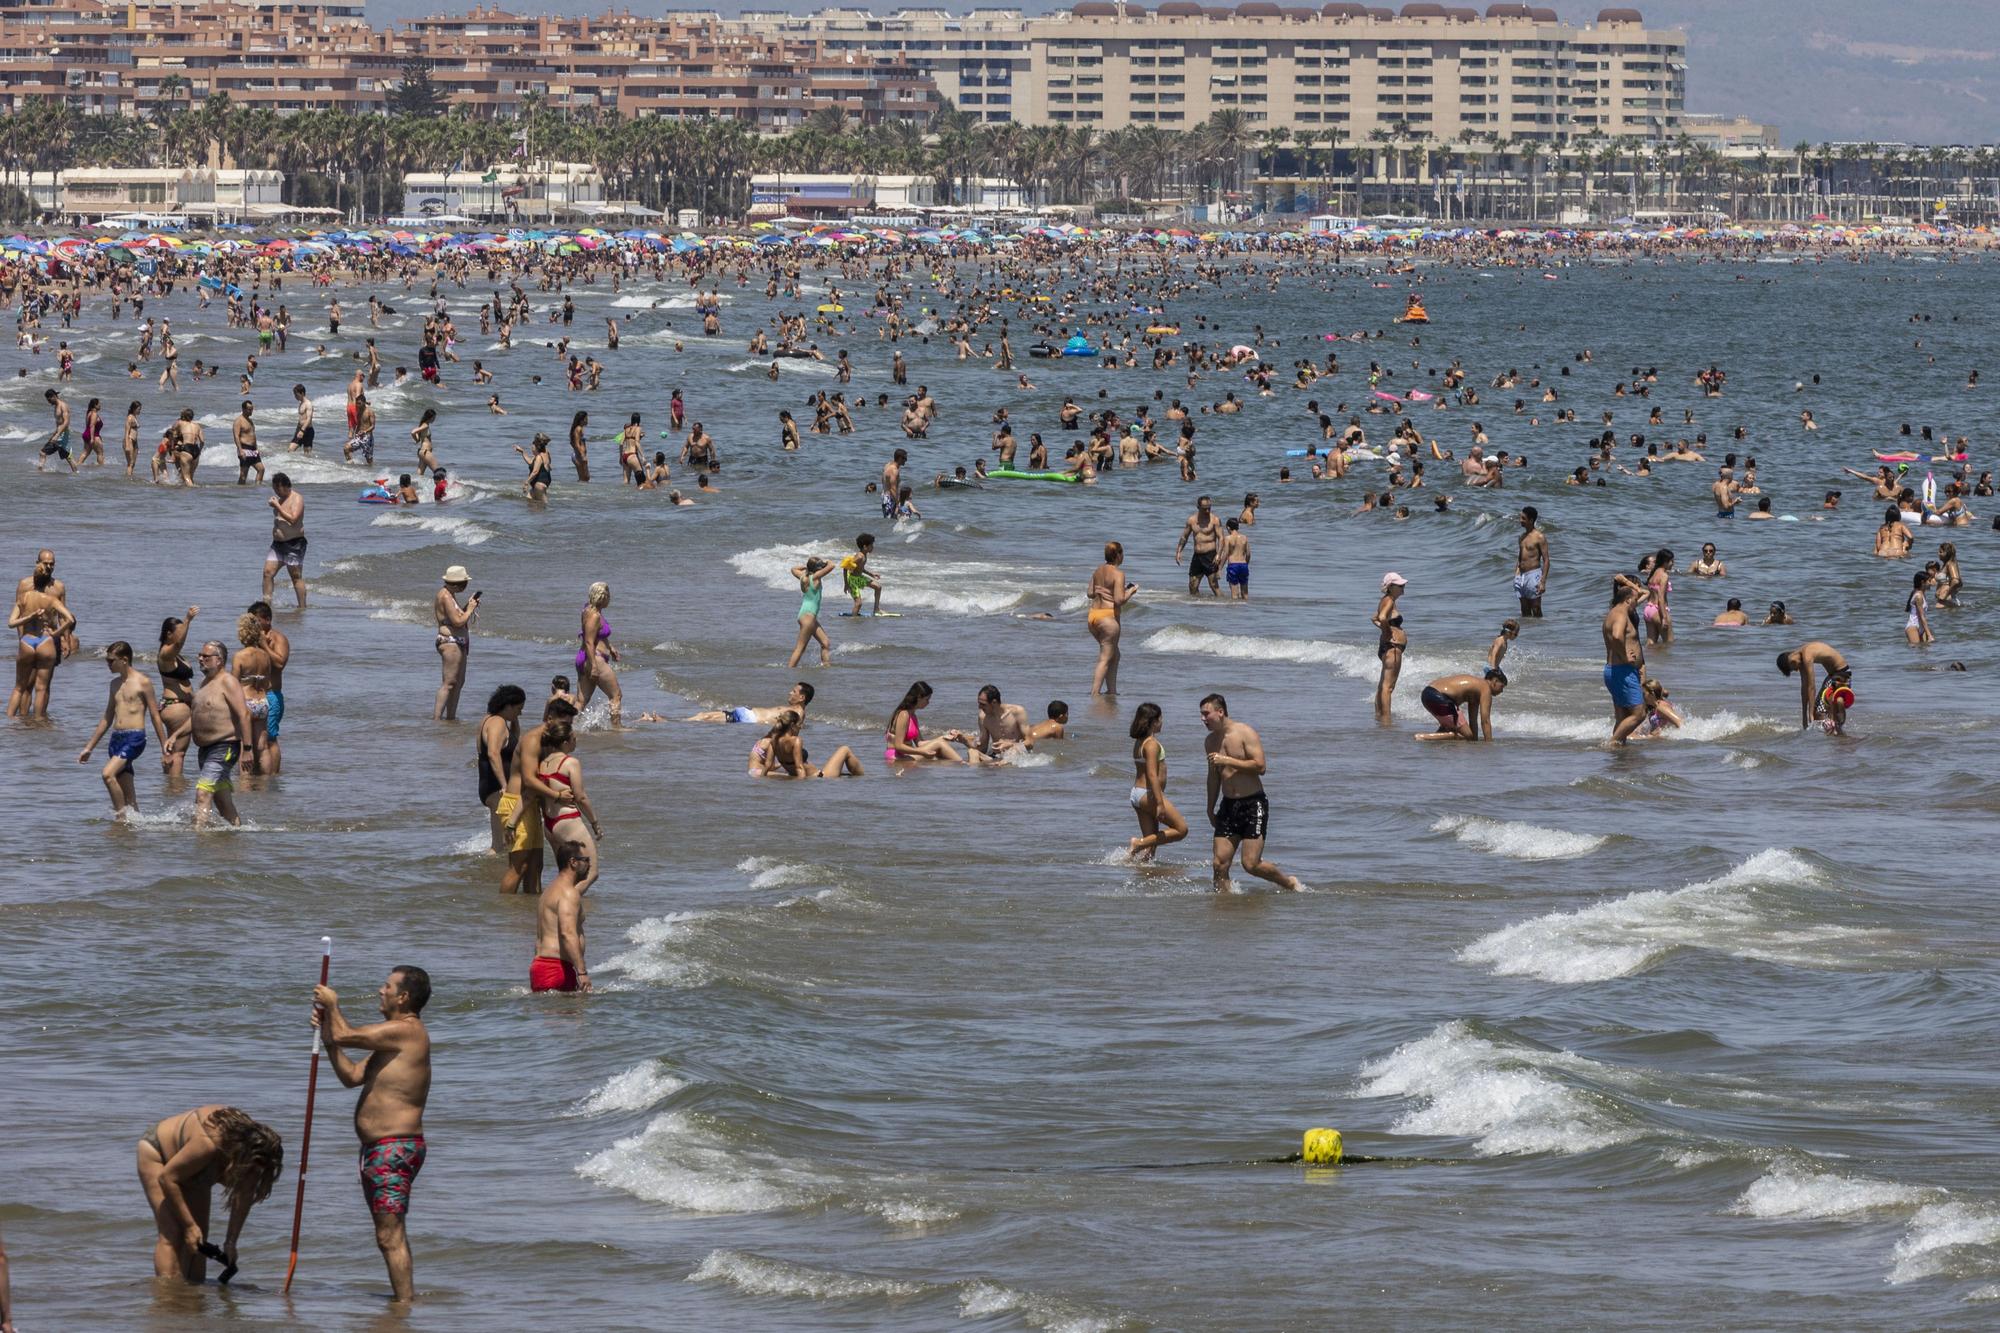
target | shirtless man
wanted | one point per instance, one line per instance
(1207, 535)
(131, 704)
(288, 537)
(243, 431)
(1237, 808)
(1056, 728)
(221, 734)
(892, 481)
(1510, 630)
(1725, 492)
(278, 647)
(801, 695)
(559, 964)
(1625, 657)
(1445, 696)
(1531, 564)
(302, 434)
(58, 441)
(1831, 701)
(1002, 726)
(389, 1119)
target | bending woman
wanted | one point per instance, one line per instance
(1109, 591)
(181, 1161)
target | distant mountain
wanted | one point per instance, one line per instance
(1911, 71)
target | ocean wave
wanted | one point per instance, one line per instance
(686, 1162)
(639, 1088)
(1942, 1235)
(756, 1275)
(787, 365)
(1732, 914)
(683, 301)
(653, 961)
(768, 872)
(1054, 1314)
(1596, 728)
(964, 588)
(1506, 1098)
(1521, 841)
(459, 531)
(1345, 658)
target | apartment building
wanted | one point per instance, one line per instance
(979, 61)
(1442, 71)
(1514, 71)
(298, 55)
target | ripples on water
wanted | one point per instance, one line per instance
(1701, 1028)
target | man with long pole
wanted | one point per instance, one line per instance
(305, 1139)
(395, 1083)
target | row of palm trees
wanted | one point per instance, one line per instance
(355, 162)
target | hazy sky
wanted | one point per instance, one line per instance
(1915, 71)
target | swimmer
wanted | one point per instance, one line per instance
(1055, 727)
(903, 741)
(1531, 564)
(559, 963)
(1733, 614)
(801, 696)
(1510, 630)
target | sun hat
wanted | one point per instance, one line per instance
(457, 574)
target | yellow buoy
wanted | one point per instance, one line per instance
(1322, 1147)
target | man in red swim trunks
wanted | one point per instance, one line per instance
(559, 964)
(395, 1083)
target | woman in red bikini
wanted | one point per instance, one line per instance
(569, 821)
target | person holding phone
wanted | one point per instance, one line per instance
(454, 640)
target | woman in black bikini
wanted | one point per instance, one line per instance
(176, 691)
(1389, 648)
(539, 473)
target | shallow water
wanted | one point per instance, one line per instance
(1702, 1030)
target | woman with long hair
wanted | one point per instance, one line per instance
(782, 754)
(579, 447)
(594, 658)
(41, 620)
(1159, 823)
(181, 1161)
(1109, 591)
(176, 690)
(903, 741)
(568, 821)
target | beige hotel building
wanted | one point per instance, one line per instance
(1446, 72)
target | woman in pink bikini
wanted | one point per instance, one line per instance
(904, 740)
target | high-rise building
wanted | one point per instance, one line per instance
(1446, 71)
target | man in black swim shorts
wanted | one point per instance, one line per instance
(1205, 563)
(1238, 810)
